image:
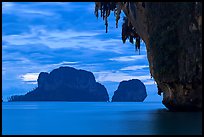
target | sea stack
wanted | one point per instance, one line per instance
(66, 84)
(130, 91)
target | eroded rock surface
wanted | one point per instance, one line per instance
(172, 32)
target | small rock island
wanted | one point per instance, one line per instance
(66, 84)
(130, 91)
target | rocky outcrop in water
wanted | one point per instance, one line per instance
(66, 84)
(130, 91)
(172, 32)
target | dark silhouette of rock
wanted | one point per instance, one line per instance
(172, 32)
(66, 84)
(130, 91)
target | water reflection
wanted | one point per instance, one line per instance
(164, 122)
(82, 118)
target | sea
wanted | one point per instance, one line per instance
(97, 118)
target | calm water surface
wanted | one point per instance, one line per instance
(96, 118)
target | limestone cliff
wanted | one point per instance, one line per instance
(172, 33)
(66, 84)
(130, 91)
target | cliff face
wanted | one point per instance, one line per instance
(130, 91)
(172, 33)
(66, 84)
(173, 36)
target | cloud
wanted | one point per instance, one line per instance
(129, 58)
(29, 78)
(16, 60)
(50, 67)
(31, 82)
(107, 76)
(91, 7)
(64, 39)
(150, 82)
(3, 70)
(64, 63)
(136, 67)
(117, 76)
(38, 12)
(45, 8)
(23, 9)
(6, 6)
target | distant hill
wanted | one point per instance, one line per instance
(130, 91)
(65, 84)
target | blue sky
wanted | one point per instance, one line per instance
(42, 36)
